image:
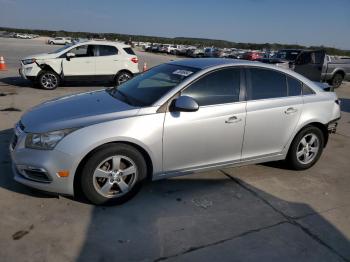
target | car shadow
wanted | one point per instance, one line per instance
(165, 221)
(20, 82)
(345, 105)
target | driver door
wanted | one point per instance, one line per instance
(83, 64)
(213, 134)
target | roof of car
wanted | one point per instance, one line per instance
(98, 42)
(203, 63)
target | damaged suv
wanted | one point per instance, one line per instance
(91, 61)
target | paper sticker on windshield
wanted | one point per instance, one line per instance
(182, 72)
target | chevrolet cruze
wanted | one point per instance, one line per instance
(175, 119)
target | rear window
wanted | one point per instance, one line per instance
(129, 51)
(106, 50)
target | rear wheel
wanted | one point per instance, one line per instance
(122, 77)
(306, 148)
(48, 80)
(337, 80)
(113, 175)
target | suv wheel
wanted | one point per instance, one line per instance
(113, 175)
(122, 77)
(306, 148)
(48, 80)
(337, 80)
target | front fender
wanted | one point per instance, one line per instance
(145, 131)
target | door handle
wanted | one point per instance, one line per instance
(233, 119)
(290, 110)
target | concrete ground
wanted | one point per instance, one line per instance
(253, 213)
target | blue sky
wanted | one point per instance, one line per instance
(309, 22)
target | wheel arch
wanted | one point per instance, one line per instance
(124, 70)
(319, 125)
(46, 67)
(78, 171)
(339, 71)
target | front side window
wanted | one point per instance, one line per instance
(219, 87)
(148, 87)
(266, 83)
(83, 51)
(106, 50)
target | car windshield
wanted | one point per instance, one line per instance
(148, 87)
(288, 55)
(61, 49)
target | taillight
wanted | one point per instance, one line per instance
(134, 60)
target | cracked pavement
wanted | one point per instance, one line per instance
(251, 213)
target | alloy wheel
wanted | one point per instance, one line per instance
(49, 80)
(123, 78)
(115, 176)
(308, 148)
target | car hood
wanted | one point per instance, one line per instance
(41, 56)
(76, 111)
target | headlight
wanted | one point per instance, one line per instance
(28, 61)
(46, 141)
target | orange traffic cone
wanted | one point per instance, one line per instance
(144, 67)
(2, 63)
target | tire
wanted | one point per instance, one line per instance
(122, 77)
(48, 80)
(337, 80)
(306, 148)
(102, 184)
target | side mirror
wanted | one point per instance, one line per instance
(185, 104)
(69, 56)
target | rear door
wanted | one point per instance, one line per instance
(310, 64)
(273, 109)
(108, 61)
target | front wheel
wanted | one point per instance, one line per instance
(113, 175)
(306, 148)
(48, 80)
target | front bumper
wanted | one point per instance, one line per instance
(48, 162)
(29, 71)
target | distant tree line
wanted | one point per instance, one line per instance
(177, 40)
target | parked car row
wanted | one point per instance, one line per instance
(20, 35)
(314, 64)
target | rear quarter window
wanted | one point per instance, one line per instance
(307, 90)
(129, 51)
(106, 50)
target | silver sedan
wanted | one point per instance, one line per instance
(175, 119)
